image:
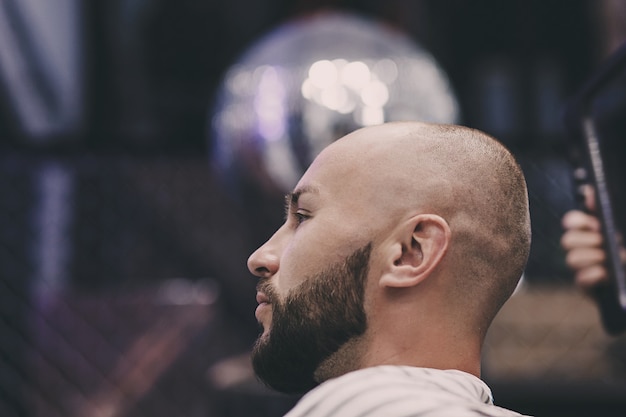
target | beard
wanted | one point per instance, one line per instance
(313, 321)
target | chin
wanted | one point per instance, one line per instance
(265, 335)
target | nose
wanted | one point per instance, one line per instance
(265, 261)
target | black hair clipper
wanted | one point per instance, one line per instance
(596, 121)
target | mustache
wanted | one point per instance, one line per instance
(264, 286)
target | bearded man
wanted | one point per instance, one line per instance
(401, 243)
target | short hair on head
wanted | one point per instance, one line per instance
(486, 205)
(471, 180)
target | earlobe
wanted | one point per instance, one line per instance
(418, 249)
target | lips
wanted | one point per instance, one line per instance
(263, 307)
(262, 298)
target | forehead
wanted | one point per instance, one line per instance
(336, 169)
(365, 158)
(380, 161)
(352, 179)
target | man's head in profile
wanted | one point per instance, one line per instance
(401, 243)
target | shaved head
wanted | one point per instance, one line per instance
(401, 243)
(461, 174)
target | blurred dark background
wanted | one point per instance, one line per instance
(123, 284)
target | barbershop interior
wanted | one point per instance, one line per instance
(146, 147)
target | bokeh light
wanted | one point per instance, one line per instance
(312, 80)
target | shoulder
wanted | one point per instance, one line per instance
(400, 391)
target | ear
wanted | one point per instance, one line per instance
(415, 251)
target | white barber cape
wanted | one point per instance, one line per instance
(400, 391)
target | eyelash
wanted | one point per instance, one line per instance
(299, 217)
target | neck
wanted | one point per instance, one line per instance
(348, 358)
(437, 350)
(426, 351)
(431, 339)
(423, 334)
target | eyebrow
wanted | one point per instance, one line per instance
(291, 199)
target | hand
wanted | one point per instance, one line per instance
(582, 240)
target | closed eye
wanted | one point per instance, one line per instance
(300, 217)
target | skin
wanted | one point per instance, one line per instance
(331, 306)
(582, 241)
(445, 209)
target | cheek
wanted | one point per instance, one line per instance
(316, 244)
(304, 258)
(294, 266)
